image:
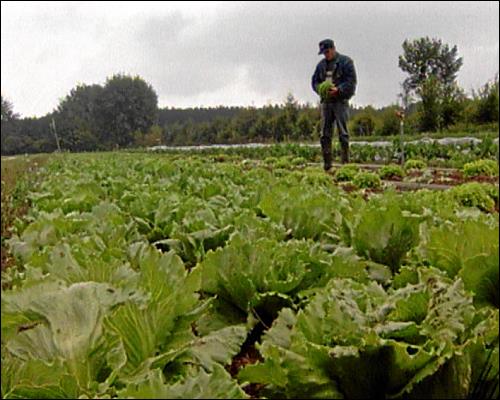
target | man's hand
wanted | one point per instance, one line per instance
(334, 91)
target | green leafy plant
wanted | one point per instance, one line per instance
(283, 162)
(346, 172)
(145, 275)
(367, 180)
(415, 164)
(425, 335)
(469, 249)
(480, 167)
(197, 385)
(475, 194)
(270, 160)
(307, 214)
(262, 275)
(298, 161)
(323, 89)
(391, 171)
(493, 192)
(384, 233)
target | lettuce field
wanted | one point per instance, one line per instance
(221, 276)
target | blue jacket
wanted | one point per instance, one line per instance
(344, 75)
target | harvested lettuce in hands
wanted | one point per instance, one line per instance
(323, 89)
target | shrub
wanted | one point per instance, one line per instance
(486, 101)
(364, 122)
(390, 123)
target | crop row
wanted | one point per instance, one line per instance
(150, 276)
(436, 154)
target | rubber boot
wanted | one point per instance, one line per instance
(344, 153)
(326, 149)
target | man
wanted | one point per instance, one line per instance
(339, 70)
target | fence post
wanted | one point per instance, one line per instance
(53, 126)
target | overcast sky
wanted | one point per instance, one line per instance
(229, 53)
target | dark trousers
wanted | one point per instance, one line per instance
(334, 114)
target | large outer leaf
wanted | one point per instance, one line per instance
(450, 246)
(291, 372)
(163, 325)
(200, 385)
(36, 379)
(481, 275)
(469, 249)
(308, 214)
(221, 314)
(67, 326)
(218, 346)
(385, 234)
(79, 263)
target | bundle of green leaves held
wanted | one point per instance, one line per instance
(323, 89)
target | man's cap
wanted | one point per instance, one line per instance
(325, 44)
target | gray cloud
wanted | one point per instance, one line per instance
(276, 44)
(251, 51)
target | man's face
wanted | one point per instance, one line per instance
(329, 54)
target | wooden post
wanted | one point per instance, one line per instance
(401, 116)
(402, 131)
(53, 126)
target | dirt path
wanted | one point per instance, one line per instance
(378, 166)
(416, 186)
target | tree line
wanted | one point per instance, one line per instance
(124, 113)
